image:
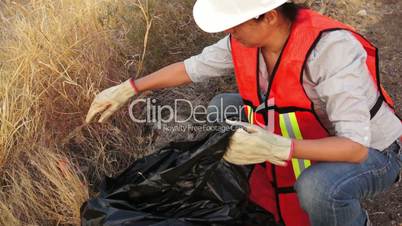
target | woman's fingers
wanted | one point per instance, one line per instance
(95, 109)
(241, 160)
(109, 112)
(236, 123)
(246, 126)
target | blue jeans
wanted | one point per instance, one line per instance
(331, 192)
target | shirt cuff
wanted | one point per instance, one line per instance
(357, 132)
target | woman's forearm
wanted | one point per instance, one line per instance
(170, 76)
(331, 149)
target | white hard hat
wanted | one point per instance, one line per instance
(218, 15)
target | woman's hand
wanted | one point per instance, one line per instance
(252, 144)
(110, 100)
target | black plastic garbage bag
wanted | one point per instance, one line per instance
(184, 184)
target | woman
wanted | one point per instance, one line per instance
(318, 117)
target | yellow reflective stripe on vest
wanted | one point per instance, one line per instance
(290, 128)
(295, 126)
(250, 115)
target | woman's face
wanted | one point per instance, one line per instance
(248, 33)
(253, 33)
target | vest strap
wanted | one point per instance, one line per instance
(374, 110)
(285, 190)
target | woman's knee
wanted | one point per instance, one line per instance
(313, 191)
(225, 105)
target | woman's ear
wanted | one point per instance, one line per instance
(271, 17)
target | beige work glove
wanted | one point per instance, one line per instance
(110, 100)
(252, 144)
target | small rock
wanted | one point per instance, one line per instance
(362, 12)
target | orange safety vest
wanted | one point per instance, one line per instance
(292, 114)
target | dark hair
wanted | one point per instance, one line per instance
(290, 10)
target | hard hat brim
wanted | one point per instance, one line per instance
(210, 20)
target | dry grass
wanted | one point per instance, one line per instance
(47, 189)
(54, 56)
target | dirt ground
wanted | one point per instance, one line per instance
(386, 209)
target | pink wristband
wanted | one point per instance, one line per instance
(132, 83)
(292, 147)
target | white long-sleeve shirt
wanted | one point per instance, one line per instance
(336, 79)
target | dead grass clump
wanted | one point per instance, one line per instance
(54, 56)
(49, 190)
